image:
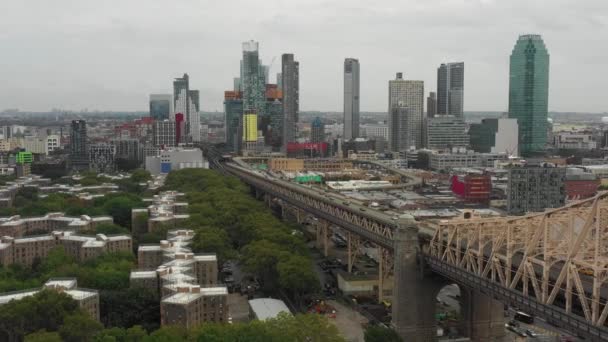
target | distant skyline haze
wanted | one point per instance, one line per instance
(112, 55)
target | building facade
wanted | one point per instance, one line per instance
(290, 73)
(187, 102)
(163, 133)
(529, 92)
(495, 136)
(161, 106)
(406, 113)
(102, 158)
(233, 111)
(535, 188)
(446, 132)
(574, 140)
(351, 98)
(431, 105)
(317, 130)
(253, 79)
(176, 159)
(79, 148)
(450, 89)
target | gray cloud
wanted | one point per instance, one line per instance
(111, 54)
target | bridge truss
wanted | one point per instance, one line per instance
(560, 255)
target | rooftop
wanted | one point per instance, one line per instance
(266, 308)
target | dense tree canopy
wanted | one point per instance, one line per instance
(376, 333)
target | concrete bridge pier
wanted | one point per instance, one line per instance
(413, 306)
(482, 316)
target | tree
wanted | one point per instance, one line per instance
(213, 240)
(129, 307)
(376, 333)
(140, 176)
(79, 328)
(43, 336)
(296, 275)
(304, 328)
(261, 258)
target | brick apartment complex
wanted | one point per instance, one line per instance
(25, 250)
(88, 300)
(186, 282)
(16, 226)
(164, 211)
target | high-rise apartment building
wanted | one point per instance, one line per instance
(187, 102)
(317, 130)
(290, 71)
(529, 92)
(406, 113)
(450, 89)
(161, 106)
(535, 188)
(431, 105)
(79, 150)
(351, 98)
(163, 133)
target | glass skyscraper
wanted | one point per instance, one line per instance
(529, 92)
(450, 89)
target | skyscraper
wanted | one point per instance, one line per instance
(79, 149)
(233, 113)
(431, 105)
(161, 107)
(351, 98)
(186, 101)
(529, 92)
(406, 113)
(253, 81)
(317, 130)
(291, 95)
(450, 89)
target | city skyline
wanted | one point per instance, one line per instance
(110, 58)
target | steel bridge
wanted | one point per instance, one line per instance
(553, 264)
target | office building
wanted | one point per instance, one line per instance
(164, 133)
(438, 161)
(431, 105)
(317, 130)
(161, 106)
(250, 130)
(450, 89)
(290, 70)
(87, 299)
(351, 98)
(79, 149)
(253, 79)
(102, 158)
(495, 136)
(176, 159)
(274, 109)
(187, 102)
(529, 92)
(233, 116)
(535, 188)
(406, 112)
(446, 132)
(53, 142)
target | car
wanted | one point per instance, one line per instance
(531, 333)
(514, 323)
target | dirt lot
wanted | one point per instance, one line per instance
(348, 322)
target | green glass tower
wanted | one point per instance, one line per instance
(529, 92)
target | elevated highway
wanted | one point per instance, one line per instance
(553, 264)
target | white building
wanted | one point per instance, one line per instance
(53, 142)
(176, 159)
(574, 140)
(374, 130)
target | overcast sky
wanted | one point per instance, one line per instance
(111, 54)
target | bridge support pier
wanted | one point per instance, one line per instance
(483, 317)
(413, 296)
(322, 228)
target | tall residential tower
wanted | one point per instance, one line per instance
(529, 92)
(186, 101)
(351, 98)
(290, 83)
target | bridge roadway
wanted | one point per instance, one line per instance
(378, 227)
